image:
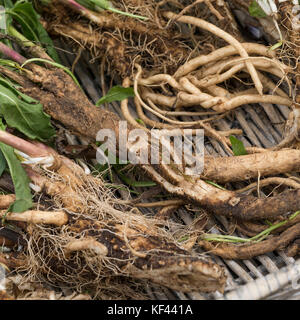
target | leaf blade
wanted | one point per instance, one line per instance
(24, 113)
(117, 93)
(256, 11)
(238, 147)
(20, 179)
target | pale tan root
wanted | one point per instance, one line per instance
(219, 54)
(189, 100)
(227, 64)
(274, 180)
(6, 200)
(249, 99)
(57, 218)
(241, 168)
(226, 36)
(209, 131)
(58, 189)
(86, 244)
(213, 78)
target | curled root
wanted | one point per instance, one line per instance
(167, 97)
(227, 37)
(219, 54)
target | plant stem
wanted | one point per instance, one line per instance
(81, 9)
(22, 145)
(11, 53)
(259, 237)
(55, 64)
(15, 33)
(126, 13)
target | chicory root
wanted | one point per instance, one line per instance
(117, 243)
(58, 218)
(269, 181)
(222, 53)
(86, 244)
(251, 166)
(248, 99)
(140, 254)
(224, 202)
(6, 200)
(226, 36)
(76, 112)
(248, 251)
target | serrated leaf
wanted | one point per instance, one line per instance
(20, 179)
(255, 10)
(24, 113)
(238, 147)
(117, 93)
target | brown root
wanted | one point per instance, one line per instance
(223, 202)
(251, 166)
(122, 39)
(103, 242)
(122, 244)
(231, 251)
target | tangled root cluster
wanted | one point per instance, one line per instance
(107, 249)
(157, 44)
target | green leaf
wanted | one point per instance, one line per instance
(256, 11)
(140, 121)
(276, 46)
(24, 13)
(7, 4)
(133, 183)
(99, 5)
(237, 146)
(24, 113)
(215, 185)
(47, 43)
(3, 163)
(92, 4)
(9, 63)
(117, 93)
(20, 180)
